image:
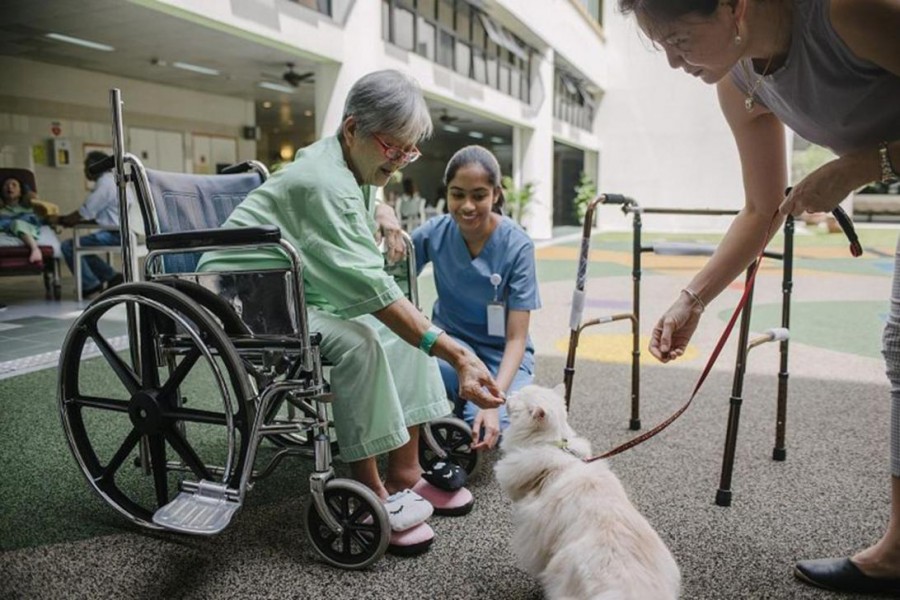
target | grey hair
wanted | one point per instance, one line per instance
(391, 103)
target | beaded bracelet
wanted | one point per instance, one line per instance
(693, 295)
(429, 338)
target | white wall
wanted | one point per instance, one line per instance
(39, 95)
(269, 22)
(665, 142)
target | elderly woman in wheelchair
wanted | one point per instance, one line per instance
(384, 381)
(231, 348)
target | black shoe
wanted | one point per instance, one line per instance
(841, 575)
(92, 291)
(114, 280)
(2, 306)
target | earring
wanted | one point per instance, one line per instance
(738, 40)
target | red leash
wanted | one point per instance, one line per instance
(709, 365)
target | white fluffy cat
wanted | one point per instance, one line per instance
(575, 528)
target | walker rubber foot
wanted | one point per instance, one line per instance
(723, 497)
(634, 424)
(779, 454)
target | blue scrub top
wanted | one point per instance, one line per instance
(463, 283)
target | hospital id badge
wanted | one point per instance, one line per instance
(496, 319)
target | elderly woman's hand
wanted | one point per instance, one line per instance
(476, 383)
(391, 232)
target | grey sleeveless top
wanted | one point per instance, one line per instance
(823, 91)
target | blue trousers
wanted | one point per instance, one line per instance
(94, 270)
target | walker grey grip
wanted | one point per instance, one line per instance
(615, 199)
(577, 310)
(779, 334)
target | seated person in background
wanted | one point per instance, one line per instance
(410, 205)
(19, 217)
(101, 207)
(384, 381)
(486, 283)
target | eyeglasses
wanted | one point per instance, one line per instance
(394, 154)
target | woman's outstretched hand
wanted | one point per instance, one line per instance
(674, 329)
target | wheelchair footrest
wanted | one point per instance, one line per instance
(206, 511)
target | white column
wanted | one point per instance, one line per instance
(362, 31)
(533, 150)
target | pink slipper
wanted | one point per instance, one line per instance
(448, 504)
(412, 541)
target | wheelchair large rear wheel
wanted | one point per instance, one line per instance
(143, 415)
(366, 531)
(454, 436)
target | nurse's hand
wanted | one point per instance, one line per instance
(390, 231)
(486, 429)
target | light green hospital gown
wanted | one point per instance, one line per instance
(381, 384)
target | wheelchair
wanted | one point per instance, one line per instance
(169, 383)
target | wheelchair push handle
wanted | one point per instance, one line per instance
(244, 167)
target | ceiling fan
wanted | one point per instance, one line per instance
(294, 78)
(447, 119)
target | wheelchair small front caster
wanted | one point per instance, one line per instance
(365, 530)
(454, 438)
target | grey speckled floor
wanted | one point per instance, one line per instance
(829, 498)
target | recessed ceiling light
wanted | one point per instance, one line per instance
(276, 87)
(79, 42)
(195, 68)
(496, 140)
(451, 128)
(267, 104)
(307, 113)
(476, 134)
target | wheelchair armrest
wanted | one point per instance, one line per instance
(232, 236)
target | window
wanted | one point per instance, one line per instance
(463, 53)
(445, 13)
(322, 6)
(403, 28)
(457, 35)
(573, 102)
(479, 72)
(445, 49)
(425, 43)
(462, 25)
(594, 8)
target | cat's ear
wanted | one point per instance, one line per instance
(538, 414)
(560, 390)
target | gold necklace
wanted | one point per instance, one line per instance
(749, 102)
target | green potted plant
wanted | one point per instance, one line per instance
(585, 191)
(517, 198)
